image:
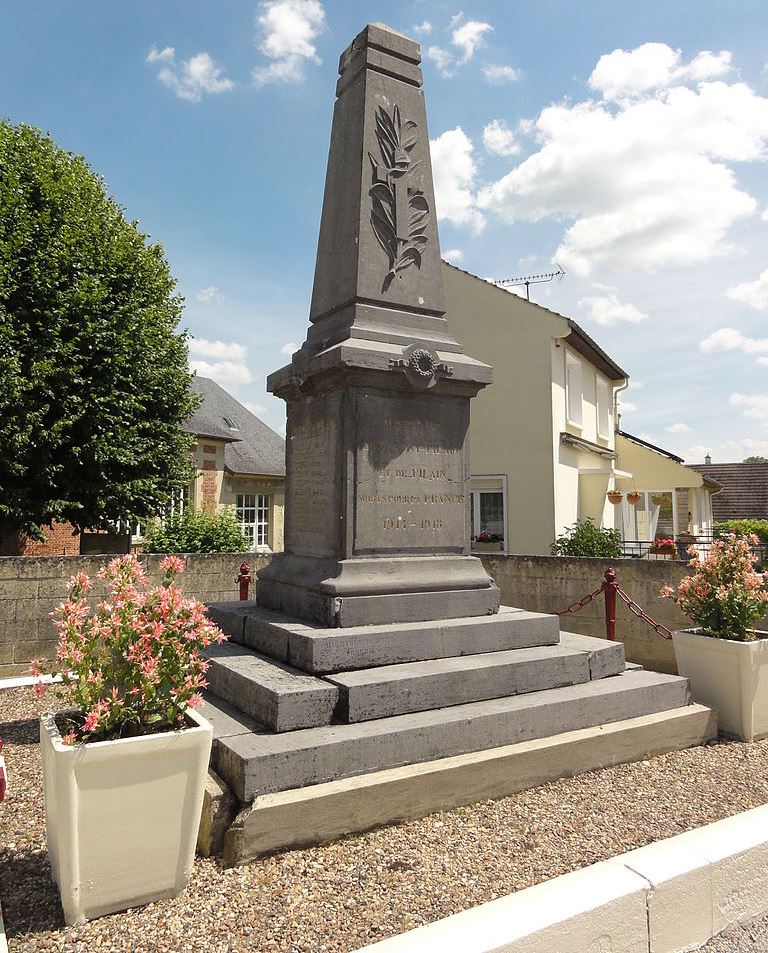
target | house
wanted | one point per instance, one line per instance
(744, 493)
(674, 499)
(545, 450)
(239, 463)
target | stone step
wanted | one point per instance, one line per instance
(255, 764)
(324, 812)
(319, 650)
(276, 695)
(390, 690)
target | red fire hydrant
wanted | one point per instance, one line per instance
(245, 579)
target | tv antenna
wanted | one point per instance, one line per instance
(529, 280)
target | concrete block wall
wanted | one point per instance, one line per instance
(551, 583)
(31, 587)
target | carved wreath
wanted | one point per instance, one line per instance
(402, 242)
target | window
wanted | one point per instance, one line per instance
(487, 514)
(253, 514)
(232, 424)
(573, 391)
(603, 409)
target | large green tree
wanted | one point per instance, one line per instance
(94, 380)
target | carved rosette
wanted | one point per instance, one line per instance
(422, 366)
(399, 211)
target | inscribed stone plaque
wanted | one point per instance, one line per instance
(410, 478)
(312, 448)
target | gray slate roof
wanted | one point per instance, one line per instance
(253, 448)
(745, 489)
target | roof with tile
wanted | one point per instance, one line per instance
(252, 447)
(745, 489)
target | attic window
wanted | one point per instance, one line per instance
(230, 423)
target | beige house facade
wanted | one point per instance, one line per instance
(544, 445)
(239, 464)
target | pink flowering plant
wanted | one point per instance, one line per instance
(723, 594)
(134, 663)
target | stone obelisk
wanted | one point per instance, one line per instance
(377, 455)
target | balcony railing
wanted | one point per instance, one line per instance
(641, 549)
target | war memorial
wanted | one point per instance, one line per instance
(377, 677)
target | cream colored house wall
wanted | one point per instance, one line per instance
(511, 430)
(580, 491)
(274, 488)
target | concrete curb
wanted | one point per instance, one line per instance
(664, 898)
(3, 941)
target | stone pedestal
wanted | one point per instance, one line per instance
(377, 506)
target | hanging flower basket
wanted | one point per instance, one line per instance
(615, 497)
(657, 499)
(633, 498)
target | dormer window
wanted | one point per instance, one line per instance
(230, 423)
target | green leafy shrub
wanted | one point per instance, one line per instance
(585, 538)
(745, 527)
(195, 531)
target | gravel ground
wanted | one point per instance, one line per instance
(749, 938)
(341, 896)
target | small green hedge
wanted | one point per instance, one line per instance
(744, 527)
(585, 538)
(195, 531)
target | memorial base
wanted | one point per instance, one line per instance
(377, 591)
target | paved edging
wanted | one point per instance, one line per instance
(3, 941)
(671, 895)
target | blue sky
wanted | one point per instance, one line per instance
(626, 141)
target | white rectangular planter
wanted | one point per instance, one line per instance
(729, 676)
(122, 816)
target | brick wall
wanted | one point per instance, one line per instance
(30, 587)
(59, 542)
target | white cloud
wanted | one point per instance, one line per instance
(468, 37)
(729, 339)
(257, 409)
(229, 350)
(499, 140)
(607, 309)
(224, 361)
(498, 75)
(442, 59)
(454, 255)
(764, 216)
(630, 73)
(626, 406)
(211, 293)
(678, 428)
(754, 406)
(455, 172)
(423, 28)
(645, 179)
(289, 348)
(191, 78)
(166, 55)
(752, 293)
(288, 30)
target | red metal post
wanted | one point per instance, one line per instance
(245, 580)
(609, 588)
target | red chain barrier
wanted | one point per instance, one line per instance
(611, 588)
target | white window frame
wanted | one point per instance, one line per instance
(475, 502)
(253, 512)
(603, 407)
(574, 391)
